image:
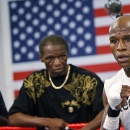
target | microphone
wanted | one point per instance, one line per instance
(113, 8)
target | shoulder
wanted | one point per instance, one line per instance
(115, 79)
(79, 70)
(36, 74)
(35, 79)
(39, 72)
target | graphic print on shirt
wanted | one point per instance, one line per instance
(82, 88)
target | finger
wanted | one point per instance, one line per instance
(124, 94)
(118, 107)
(124, 100)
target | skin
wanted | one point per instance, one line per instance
(119, 36)
(55, 59)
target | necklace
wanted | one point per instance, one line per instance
(66, 78)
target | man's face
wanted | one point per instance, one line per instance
(120, 42)
(55, 59)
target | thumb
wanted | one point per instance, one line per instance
(124, 100)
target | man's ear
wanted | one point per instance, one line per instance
(41, 57)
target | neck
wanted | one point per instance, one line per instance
(66, 78)
(127, 72)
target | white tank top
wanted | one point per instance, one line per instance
(125, 110)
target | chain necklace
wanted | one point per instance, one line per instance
(66, 78)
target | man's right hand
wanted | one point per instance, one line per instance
(56, 124)
(124, 94)
(125, 91)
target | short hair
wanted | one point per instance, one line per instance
(53, 39)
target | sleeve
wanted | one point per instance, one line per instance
(23, 103)
(97, 104)
(3, 110)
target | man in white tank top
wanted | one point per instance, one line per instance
(116, 95)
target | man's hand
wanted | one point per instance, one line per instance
(125, 91)
(124, 94)
(117, 95)
(56, 124)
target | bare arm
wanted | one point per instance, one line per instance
(20, 119)
(106, 105)
(95, 123)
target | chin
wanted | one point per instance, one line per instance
(57, 74)
(125, 66)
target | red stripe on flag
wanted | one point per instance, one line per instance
(16, 92)
(21, 75)
(102, 30)
(103, 49)
(126, 9)
(100, 12)
(102, 67)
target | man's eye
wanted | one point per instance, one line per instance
(50, 58)
(113, 41)
(127, 39)
(62, 56)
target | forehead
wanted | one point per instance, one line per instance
(120, 27)
(54, 48)
(119, 32)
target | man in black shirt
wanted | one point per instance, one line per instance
(60, 94)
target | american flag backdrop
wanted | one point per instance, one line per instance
(83, 23)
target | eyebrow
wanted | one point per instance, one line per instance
(121, 36)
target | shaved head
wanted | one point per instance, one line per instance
(119, 37)
(120, 23)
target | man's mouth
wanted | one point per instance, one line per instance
(58, 70)
(122, 58)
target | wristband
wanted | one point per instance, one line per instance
(113, 113)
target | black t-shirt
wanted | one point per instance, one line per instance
(3, 110)
(79, 100)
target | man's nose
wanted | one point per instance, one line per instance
(121, 46)
(57, 61)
